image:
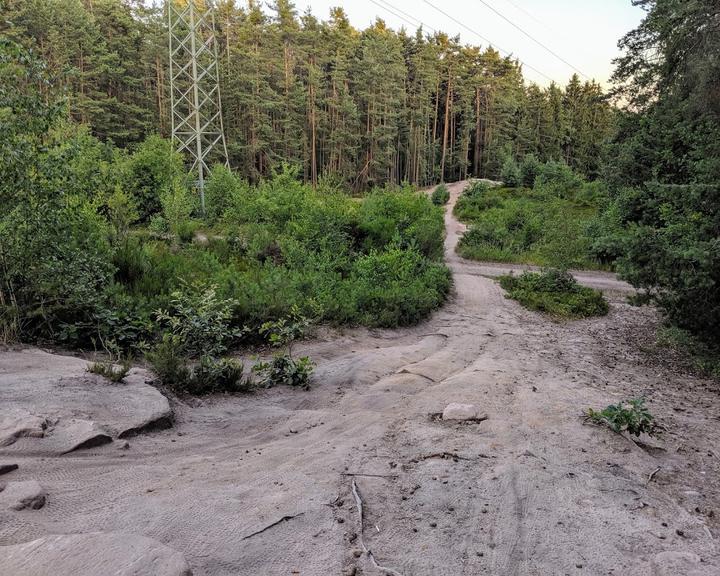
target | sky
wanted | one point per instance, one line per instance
(583, 33)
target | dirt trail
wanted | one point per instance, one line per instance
(261, 485)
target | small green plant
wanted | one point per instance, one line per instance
(555, 292)
(209, 375)
(112, 371)
(631, 416)
(200, 320)
(283, 368)
(440, 195)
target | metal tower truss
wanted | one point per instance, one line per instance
(196, 111)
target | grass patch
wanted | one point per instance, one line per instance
(556, 293)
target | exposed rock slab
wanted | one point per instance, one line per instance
(78, 434)
(463, 413)
(92, 554)
(49, 395)
(17, 422)
(22, 495)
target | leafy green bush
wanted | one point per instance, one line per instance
(150, 172)
(555, 292)
(529, 169)
(396, 287)
(283, 368)
(199, 320)
(441, 195)
(510, 173)
(528, 226)
(631, 416)
(671, 250)
(558, 179)
(209, 375)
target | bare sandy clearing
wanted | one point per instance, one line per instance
(262, 484)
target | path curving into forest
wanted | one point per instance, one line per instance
(263, 484)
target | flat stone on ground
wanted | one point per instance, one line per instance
(70, 407)
(78, 434)
(17, 422)
(22, 495)
(92, 554)
(463, 412)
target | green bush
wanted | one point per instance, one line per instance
(283, 370)
(222, 185)
(151, 171)
(397, 287)
(631, 416)
(671, 251)
(558, 179)
(209, 375)
(529, 169)
(555, 292)
(510, 173)
(199, 321)
(529, 226)
(441, 195)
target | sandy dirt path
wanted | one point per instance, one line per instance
(262, 484)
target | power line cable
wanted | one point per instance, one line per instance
(459, 23)
(394, 10)
(544, 46)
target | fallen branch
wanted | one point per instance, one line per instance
(283, 519)
(368, 475)
(359, 505)
(652, 475)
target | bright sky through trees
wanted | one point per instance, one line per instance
(583, 32)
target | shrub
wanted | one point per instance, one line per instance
(285, 370)
(397, 287)
(441, 195)
(151, 171)
(510, 173)
(177, 205)
(672, 251)
(555, 292)
(199, 320)
(209, 376)
(222, 185)
(631, 416)
(529, 169)
(558, 179)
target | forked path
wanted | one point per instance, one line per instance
(262, 484)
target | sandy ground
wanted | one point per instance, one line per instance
(262, 484)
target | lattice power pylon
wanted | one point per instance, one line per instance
(196, 111)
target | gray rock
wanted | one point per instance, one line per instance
(92, 554)
(84, 407)
(17, 422)
(22, 495)
(78, 434)
(463, 412)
